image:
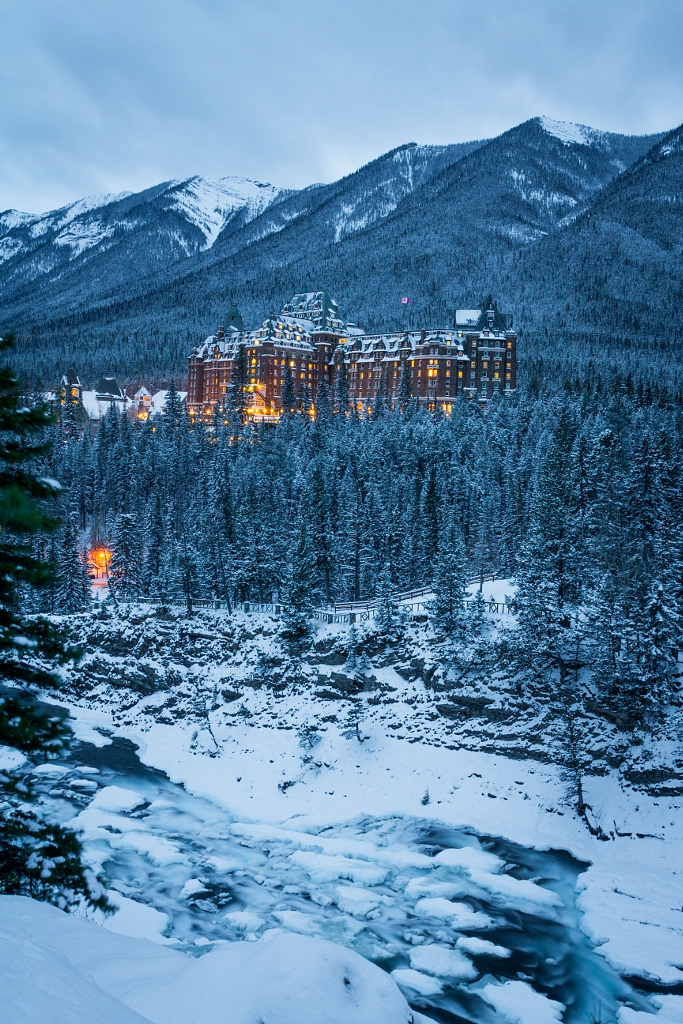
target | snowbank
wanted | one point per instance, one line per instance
(64, 970)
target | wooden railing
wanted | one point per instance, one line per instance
(358, 611)
(404, 595)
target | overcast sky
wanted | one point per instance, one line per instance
(107, 95)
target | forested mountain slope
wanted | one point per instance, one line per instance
(447, 244)
(616, 273)
(441, 224)
(84, 254)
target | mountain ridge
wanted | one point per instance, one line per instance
(444, 224)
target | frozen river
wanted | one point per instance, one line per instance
(448, 912)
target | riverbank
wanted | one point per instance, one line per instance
(630, 897)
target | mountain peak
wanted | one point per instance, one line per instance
(568, 132)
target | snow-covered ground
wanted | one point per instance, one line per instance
(64, 970)
(631, 895)
(336, 820)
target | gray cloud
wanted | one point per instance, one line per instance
(106, 95)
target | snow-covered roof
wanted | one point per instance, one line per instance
(467, 317)
(142, 393)
(96, 408)
(159, 401)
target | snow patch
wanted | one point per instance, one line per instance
(569, 133)
(517, 1003)
(415, 982)
(135, 919)
(445, 963)
(116, 799)
(209, 204)
(459, 915)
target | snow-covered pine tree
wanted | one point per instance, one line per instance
(237, 390)
(450, 579)
(287, 395)
(322, 536)
(387, 613)
(37, 858)
(125, 567)
(189, 574)
(155, 540)
(657, 659)
(305, 399)
(323, 405)
(379, 406)
(299, 589)
(73, 581)
(172, 407)
(341, 387)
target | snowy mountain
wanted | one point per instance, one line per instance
(444, 224)
(115, 238)
(615, 271)
(103, 247)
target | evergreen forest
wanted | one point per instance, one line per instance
(574, 491)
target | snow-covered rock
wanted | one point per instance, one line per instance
(64, 970)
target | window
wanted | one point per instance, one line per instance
(459, 373)
(448, 373)
(508, 375)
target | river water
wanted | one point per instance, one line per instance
(217, 880)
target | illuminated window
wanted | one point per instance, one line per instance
(459, 373)
(508, 375)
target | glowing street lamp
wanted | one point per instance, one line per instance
(98, 562)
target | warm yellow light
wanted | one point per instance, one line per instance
(98, 561)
